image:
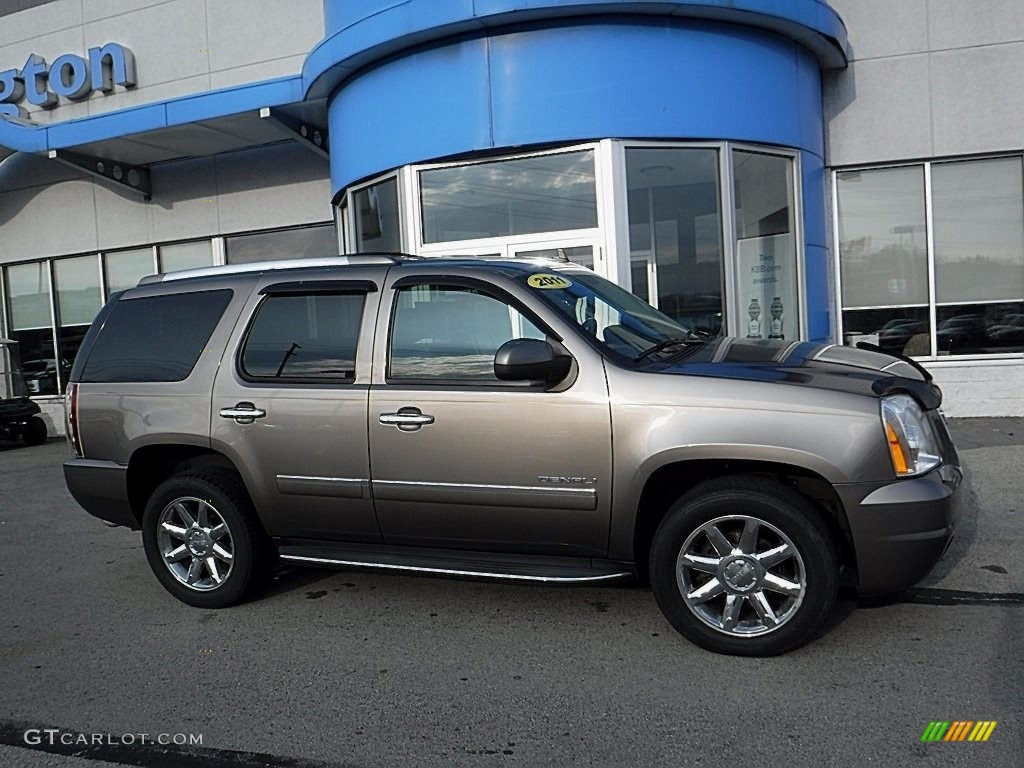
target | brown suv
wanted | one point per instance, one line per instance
(521, 420)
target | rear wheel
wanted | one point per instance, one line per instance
(203, 540)
(745, 566)
(35, 432)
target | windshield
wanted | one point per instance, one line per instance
(618, 320)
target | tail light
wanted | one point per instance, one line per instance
(73, 434)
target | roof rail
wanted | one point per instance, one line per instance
(267, 266)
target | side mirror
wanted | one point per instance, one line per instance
(531, 360)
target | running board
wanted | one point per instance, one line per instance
(486, 565)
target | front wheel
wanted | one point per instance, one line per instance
(203, 540)
(744, 566)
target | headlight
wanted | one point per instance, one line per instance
(912, 442)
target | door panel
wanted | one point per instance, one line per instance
(498, 468)
(306, 460)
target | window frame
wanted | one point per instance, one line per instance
(466, 283)
(362, 288)
(934, 358)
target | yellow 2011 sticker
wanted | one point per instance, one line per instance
(549, 281)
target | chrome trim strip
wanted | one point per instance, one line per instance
(336, 487)
(518, 496)
(456, 572)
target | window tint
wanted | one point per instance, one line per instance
(306, 338)
(156, 338)
(451, 334)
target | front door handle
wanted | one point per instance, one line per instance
(407, 419)
(243, 413)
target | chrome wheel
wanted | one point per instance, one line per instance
(195, 543)
(741, 576)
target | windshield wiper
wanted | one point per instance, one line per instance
(661, 346)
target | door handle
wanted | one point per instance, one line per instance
(243, 413)
(407, 419)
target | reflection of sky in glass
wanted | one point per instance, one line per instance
(510, 197)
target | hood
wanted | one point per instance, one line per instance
(807, 364)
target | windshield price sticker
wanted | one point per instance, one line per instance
(549, 282)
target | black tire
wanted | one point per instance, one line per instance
(251, 548)
(785, 510)
(35, 432)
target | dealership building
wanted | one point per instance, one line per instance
(841, 171)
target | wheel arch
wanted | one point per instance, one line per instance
(666, 482)
(151, 464)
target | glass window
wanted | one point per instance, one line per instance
(903, 330)
(882, 237)
(28, 292)
(978, 209)
(578, 254)
(521, 196)
(378, 226)
(980, 329)
(174, 258)
(304, 338)
(307, 242)
(78, 300)
(675, 233)
(156, 338)
(767, 286)
(125, 268)
(447, 333)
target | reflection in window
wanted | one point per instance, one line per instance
(174, 258)
(580, 254)
(980, 329)
(377, 221)
(28, 292)
(78, 300)
(882, 237)
(305, 337)
(903, 330)
(675, 233)
(125, 268)
(305, 242)
(521, 196)
(979, 230)
(452, 334)
(766, 264)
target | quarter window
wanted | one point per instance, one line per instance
(445, 333)
(304, 338)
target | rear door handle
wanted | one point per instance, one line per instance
(408, 419)
(243, 413)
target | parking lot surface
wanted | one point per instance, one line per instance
(367, 669)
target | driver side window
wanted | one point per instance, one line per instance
(449, 333)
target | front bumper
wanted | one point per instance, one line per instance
(101, 488)
(901, 529)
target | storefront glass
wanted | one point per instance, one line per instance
(377, 225)
(675, 233)
(974, 257)
(179, 256)
(308, 242)
(545, 193)
(28, 296)
(124, 269)
(79, 298)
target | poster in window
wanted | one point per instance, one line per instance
(767, 287)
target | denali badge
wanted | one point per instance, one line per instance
(563, 480)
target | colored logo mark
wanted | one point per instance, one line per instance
(959, 730)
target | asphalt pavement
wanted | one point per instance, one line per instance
(368, 669)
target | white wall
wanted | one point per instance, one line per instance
(180, 46)
(932, 79)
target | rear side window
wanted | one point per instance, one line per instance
(155, 338)
(304, 338)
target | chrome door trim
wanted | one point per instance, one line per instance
(457, 572)
(337, 487)
(583, 499)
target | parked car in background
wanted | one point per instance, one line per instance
(523, 420)
(19, 416)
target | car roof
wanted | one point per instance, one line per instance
(310, 267)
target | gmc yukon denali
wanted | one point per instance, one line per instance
(518, 420)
